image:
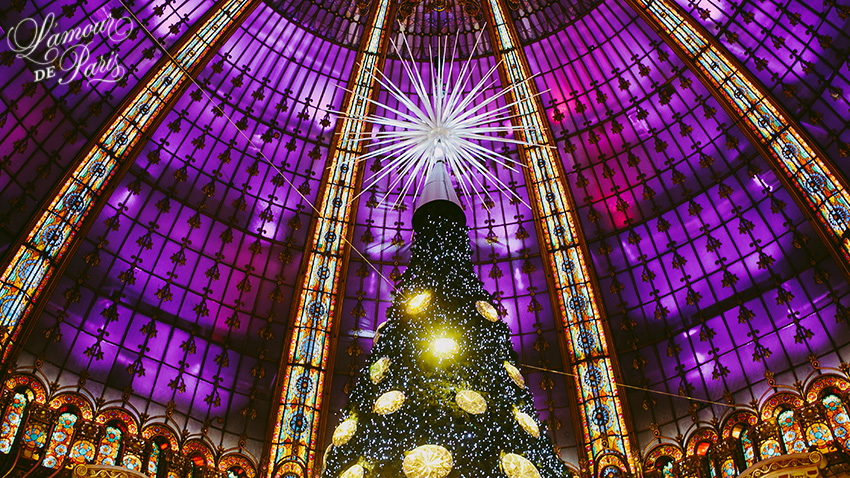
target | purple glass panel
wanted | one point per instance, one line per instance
(180, 293)
(43, 124)
(711, 274)
(798, 53)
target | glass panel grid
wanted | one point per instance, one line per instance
(814, 178)
(34, 262)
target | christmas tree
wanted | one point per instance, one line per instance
(441, 395)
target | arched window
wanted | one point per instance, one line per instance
(728, 469)
(792, 436)
(819, 435)
(60, 440)
(741, 433)
(153, 462)
(609, 471)
(110, 446)
(132, 462)
(838, 419)
(747, 448)
(197, 464)
(769, 449)
(159, 444)
(83, 451)
(667, 470)
(712, 473)
(12, 419)
(665, 465)
(236, 472)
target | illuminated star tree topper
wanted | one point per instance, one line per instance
(443, 121)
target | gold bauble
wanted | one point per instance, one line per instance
(353, 471)
(379, 369)
(527, 423)
(471, 402)
(487, 310)
(378, 333)
(516, 466)
(418, 302)
(325, 456)
(344, 431)
(427, 461)
(515, 375)
(389, 402)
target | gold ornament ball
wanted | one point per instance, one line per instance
(418, 302)
(378, 370)
(527, 423)
(353, 471)
(344, 431)
(471, 402)
(389, 402)
(513, 372)
(516, 466)
(487, 310)
(378, 333)
(325, 456)
(427, 461)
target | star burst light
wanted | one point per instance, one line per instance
(442, 120)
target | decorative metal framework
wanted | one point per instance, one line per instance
(599, 403)
(804, 168)
(301, 383)
(35, 261)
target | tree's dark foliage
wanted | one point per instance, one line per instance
(440, 264)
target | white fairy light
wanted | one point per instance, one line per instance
(447, 127)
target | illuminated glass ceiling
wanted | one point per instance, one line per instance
(180, 294)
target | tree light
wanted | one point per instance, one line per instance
(444, 347)
(418, 302)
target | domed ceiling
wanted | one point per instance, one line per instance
(177, 301)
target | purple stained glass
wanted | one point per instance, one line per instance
(788, 59)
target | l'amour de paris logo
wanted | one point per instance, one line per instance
(60, 53)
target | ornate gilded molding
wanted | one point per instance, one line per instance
(791, 466)
(103, 471)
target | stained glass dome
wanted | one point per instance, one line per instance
(184, 264)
